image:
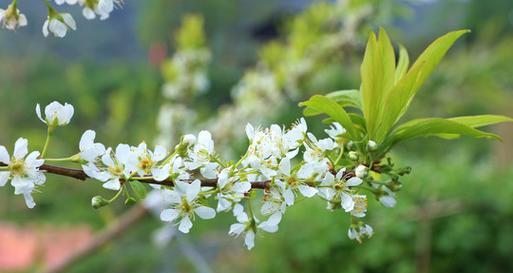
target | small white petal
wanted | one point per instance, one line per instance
(162, 173)
(193, 190)
(38, 113)
(112, 184)
(236, 229)
(205, 212)
(20, 148)
(29, 200)
(169, 215)
(4, 155)
(185, 225)
(307, 191)
(249, 240)
(354, 181)
(4, 176)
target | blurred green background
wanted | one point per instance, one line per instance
(455, 212)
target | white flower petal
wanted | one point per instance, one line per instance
(20, 148)
(249, 240)
(4, 155)
(29, 200)
(169, 215)
(205, 212)
(193, 190)
(4, 176)
(185, 224)
(38, 112)
(112, 184)
(307, 191)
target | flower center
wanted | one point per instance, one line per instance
(18, 167)
(185, 206)
(116, 170)
(145, 163)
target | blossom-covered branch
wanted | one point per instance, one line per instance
(345, 168)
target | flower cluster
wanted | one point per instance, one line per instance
(287, 164)
(58, 23)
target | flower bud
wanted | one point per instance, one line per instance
(98, 202)
(372, 146)
(189, 139)
(361, 171)
(353, 155)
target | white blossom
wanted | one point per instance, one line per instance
(146, 162)
(245, 225)
(90, 151)
(58, 25)
(185, 205)
(56, 113)
(335, 131)
(359, 232)
(23, 170)
(11, 18)
(117, 167)
(231, 190)
(336, 189)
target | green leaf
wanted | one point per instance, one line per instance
(481, 120)
(139, 190)
(346, 98)
(377, 75)
(437, 127)
(400, 96)
(402, 63)
(325, 105)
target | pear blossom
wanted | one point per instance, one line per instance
(58, 24)
(90, 151)
(102, 8)
(336, 189)
(359, 232)
(116, 170)
(231, 190)
(11, 18)
(23, 170)
(56, 113)
(201, 154)
(316, 163)
(184, 206)
(335, 131)
(360, 205)
(249, 226)
(387, 199)
(146, 162)
(292, 184)
(274, 200)
(244, 225)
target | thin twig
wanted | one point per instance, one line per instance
(114, 230)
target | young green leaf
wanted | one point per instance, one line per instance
(402, 64)
(481, 120)
(325, 105)
(401, 95)
(346, 98)
(437, 127)
(377, 75)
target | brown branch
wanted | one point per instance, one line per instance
(113, 231)
(81, 175)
